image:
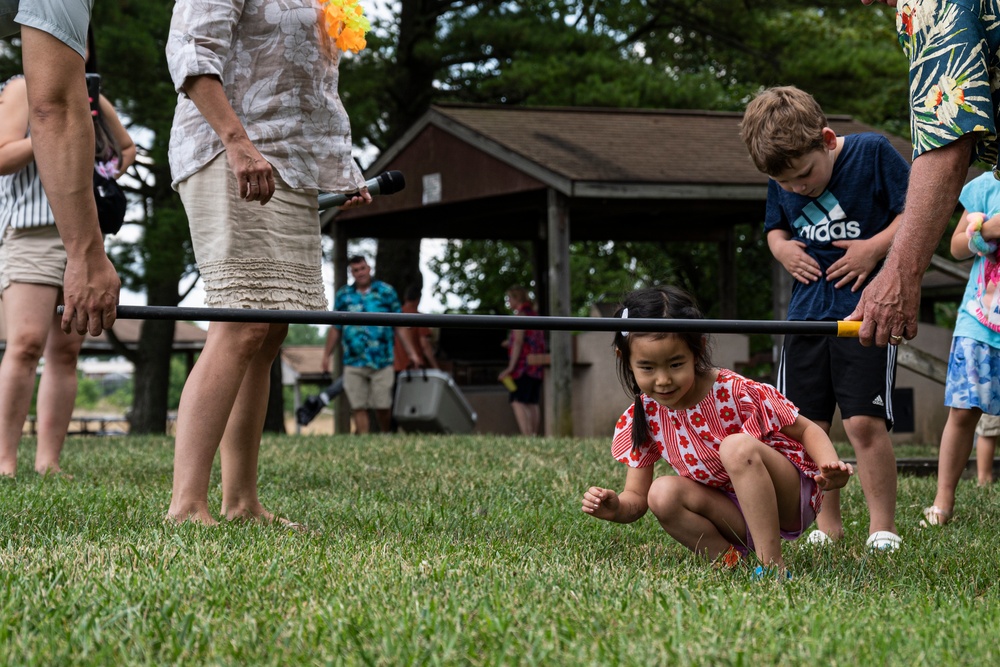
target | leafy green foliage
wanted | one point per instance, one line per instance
(704, 54)
(304, 334)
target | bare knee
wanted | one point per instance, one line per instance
(865, 432)
(739, 451)
(665, 497)
(274, 337)
(963, 418)
(247, 339)
(25, 350)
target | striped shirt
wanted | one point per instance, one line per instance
(22, 200)
(689, 439)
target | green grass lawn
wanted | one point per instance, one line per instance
(457, 550)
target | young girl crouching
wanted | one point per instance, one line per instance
(750, 469)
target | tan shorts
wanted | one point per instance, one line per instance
(35, 255)
(369, 388)
(989, 425)
(252, 256)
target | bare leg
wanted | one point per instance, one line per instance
(527, 416)
(985, 449)
(384, 418)
(28, 311)
(56, 395)
(876, 469)
(206, 403)
(830, 520)
(956, 446)
(362, 423)
(240, 445)
(703, 519)
(768, 488)
(62, 134)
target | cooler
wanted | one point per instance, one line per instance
(429, 401)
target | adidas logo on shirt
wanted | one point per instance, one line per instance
(823, 221)
(878, 402)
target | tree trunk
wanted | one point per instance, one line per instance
(398, 263)
(152, 377)
(152, 365)
(274, 420)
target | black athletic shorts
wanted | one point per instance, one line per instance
(529, 390)
(820, 373)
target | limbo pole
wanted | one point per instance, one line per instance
(841, 329)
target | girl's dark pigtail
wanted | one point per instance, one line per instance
(640, 429)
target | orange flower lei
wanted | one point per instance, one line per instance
(345, 23)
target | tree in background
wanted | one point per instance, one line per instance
(131, 38)
(706, 54)
(685, 54)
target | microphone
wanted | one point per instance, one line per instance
(386, 183)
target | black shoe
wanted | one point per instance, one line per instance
(308, 411)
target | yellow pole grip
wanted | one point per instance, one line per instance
(848, 329)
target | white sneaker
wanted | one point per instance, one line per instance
(819, 538)
(884, 541)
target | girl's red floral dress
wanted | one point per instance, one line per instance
(689, 439)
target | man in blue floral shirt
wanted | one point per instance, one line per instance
(368, 350)
(954, 51)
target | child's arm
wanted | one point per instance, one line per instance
(121, 135)
(791, 253)
(861, 257)
(833, 473)
(990, 231)
(626, 507)
(960, 242)
(15, 148)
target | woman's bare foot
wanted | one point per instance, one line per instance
(53, 471)
(199, 515)
(262, 516)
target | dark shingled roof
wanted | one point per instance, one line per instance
(476, 171)
(629, 145)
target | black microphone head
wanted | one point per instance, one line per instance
(390, 182)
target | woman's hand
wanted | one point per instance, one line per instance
(254, 174)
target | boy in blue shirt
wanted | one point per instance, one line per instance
(832, 207)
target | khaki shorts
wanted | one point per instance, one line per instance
(66, 20)
(252, 256)
(35, 255)
(369, 388)
(989, 425)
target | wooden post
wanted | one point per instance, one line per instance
(727, 276)
(560, 342)
(342, 410)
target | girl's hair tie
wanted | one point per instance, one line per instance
(625, 317)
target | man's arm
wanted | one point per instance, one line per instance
(889, 304)
(332, 339)
(405, 336)
(427, 347)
